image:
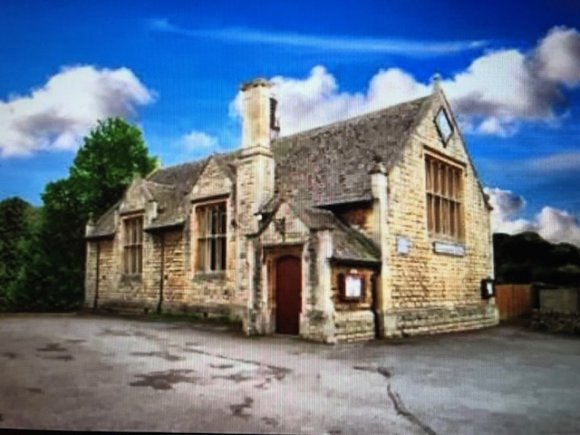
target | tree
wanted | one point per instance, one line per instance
(16, 219)
(111, 156)
(527, 257)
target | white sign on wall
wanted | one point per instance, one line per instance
(449, 248)
(403, 245)
(353, 286)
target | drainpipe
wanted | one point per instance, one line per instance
(161, 274)
(97, 275)
(375, 305)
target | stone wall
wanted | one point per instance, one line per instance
(354, 320)
(182, 291)
(444, 319)
(360, 218)
(562, 300)
(213, 288)
(105, 267)
(553, 321)
(354, 325)
(422, 279)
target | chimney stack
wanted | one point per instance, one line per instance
(260, 124)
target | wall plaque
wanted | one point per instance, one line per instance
(449, 248)
(403, 245)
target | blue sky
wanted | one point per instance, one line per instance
(174, 67)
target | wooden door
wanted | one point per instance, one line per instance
(288, 295)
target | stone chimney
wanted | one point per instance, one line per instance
(255, 165)
(260, 124)
(254, 186)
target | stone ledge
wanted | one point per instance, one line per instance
(436, 320)
(354, 325)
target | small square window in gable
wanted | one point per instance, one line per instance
(444, 127)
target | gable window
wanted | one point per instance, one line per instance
(444, 192)
(444, 126)
(211, 241)
(133, 246)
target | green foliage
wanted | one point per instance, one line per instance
(112, 155)
(16, 220)
(53, 257)
(527, 257)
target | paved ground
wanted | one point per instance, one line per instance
(72, 372)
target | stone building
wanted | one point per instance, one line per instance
(375, 226)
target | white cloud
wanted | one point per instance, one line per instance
(195, 140)
(494, 95)
(551, 223)
(561, 162)
(316, 100)
(57, 115)
(506, 206)
(346, 44)
(558, 55)
(558, 226)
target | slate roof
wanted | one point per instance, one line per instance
(331, 164)
(105, 225)
(183, 176)
(168, 186)
(323, 166)
(170, 205)
(348, 244)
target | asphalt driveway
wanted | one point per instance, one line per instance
(98, 373)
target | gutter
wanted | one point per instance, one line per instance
(355, 262)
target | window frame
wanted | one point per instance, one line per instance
(211, 237)
(341, 278)
(133, 236)
(444, 199)
(443, 112)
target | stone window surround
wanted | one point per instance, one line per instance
(195, 237)
(442, 112)
(457, 198)
(132, 248)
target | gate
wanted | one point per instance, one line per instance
(513, 300)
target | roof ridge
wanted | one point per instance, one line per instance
(158, 184)
(352, 118)
(179, 165)
(192, 162)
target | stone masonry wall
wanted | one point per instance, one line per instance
(212, 292)
(254, 186)
(553, 321)
(354, 320)
(182, 291)
(422, 279)
(105, 259)
(360, 218)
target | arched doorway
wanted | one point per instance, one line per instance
(288, 294)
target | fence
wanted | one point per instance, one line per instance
(513, 300)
